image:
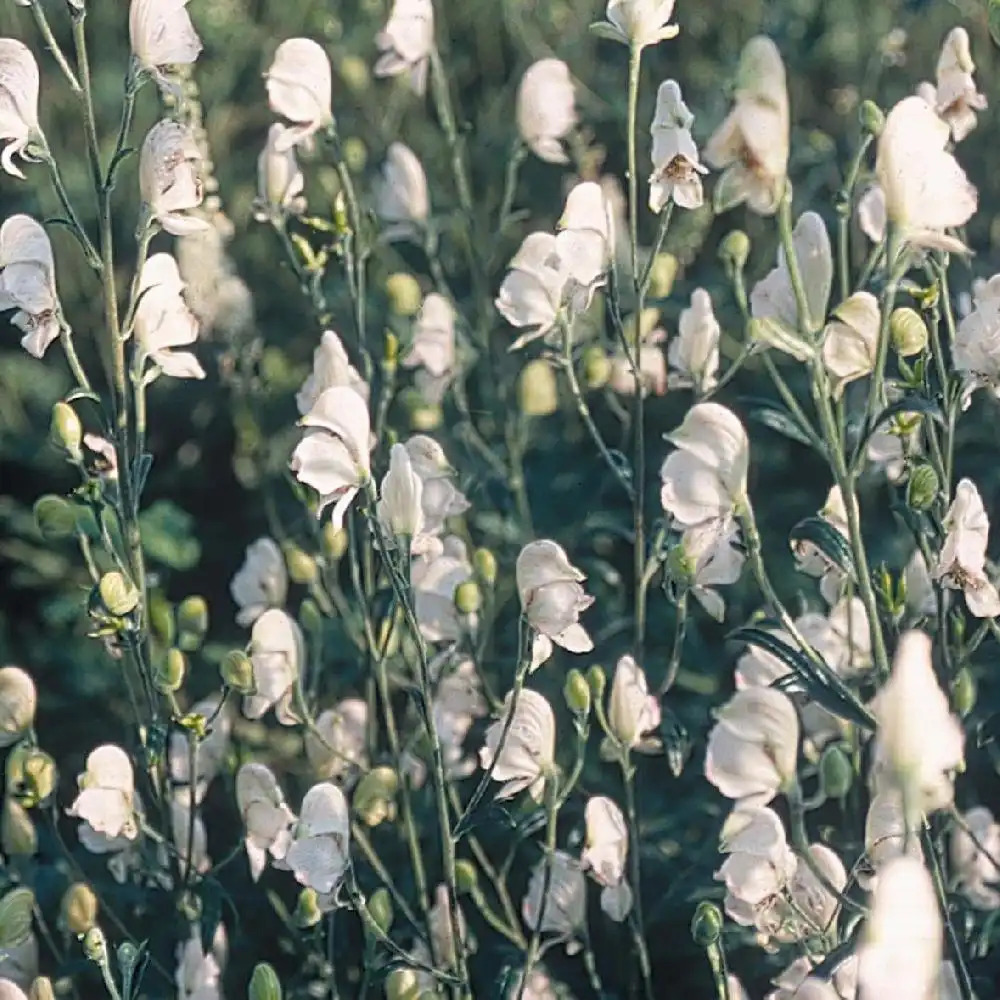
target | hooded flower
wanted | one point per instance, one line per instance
(318, 854)
(277, 652)
(962, 562)
(677, 168)
(564, 910)
(266, 817)
(280, 182)
(912, 161)
(850, 341)
(18, 699)
(605, 854)
(709, 556)
(812, 561)
(162, 35)
(528, 751)
(693, 355)
(458, 702)
(433, 348)
(28, 282)
(546, 109)
(300, 88)
(871, 213)
(530, 297)
(975, 849)
(331, 367)
(885, 834)
(440, 498)
(163, 321)
(106, 800)
(633, 713)
(406, 42)
(552, 599)
(435, 575)
(652, 365)
(753, 746)
(751, 145)
(261, 582)
(334, 455)
(584, 243)
(639, 22)
(18, 102)
(976, 351)
(399, 507)
(199, 973)
(170, 177)
(705, 479)
(956, 99)
(402, 203)
(336, 748)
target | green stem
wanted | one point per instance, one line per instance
(359, 837)
(635, 873)
(75, 225)
(844, 207)
(54, 47)
(72, 358)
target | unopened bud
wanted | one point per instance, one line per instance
(301, 566)
(466, 876)
(161, 618)
(334, 542)
(353, 70)
(264, 984)
(964, 692)
(576, 691)
(192, 623)
(171, 671)
(380, 908)
(307, 911)
(404, 294)
(662, 275)
(375, 797)
(95, 945)
(310, 616)
(908, 331)
(596, 367)
(598, 681)
(537, 389)
(468, 597)
(118, 594)
(390, 351)
(355, 154)
(735, 249)
(706, 925)
(17, 831)
(16, 913)
(55, 517)
(402, 984)
(31, 775)
(486, 566)
(237, 672)
(835, 773)
(18, 699)
(65, 430)
(78, 909)
(41, 989)
(423, 416)
(923, 487)
(872, 118)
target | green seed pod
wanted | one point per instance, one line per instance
(307, 912)
(706, 925)
(964, 692)
(237, 672)
(404, 294)
(468, 597)
(923, 487)
(374, 798)
(662, 275)
(118, 594)
(537, 389)
(734, 250)
(596, 367)
(466, 876)
(872, 118)
(55, 517)
(65, 430)
(264, 984)
(576, 691)
(17, 831)
(835, 773)
(598, 681)
(380, 907)
(171, 672)
(908, 331)
(192, 623)
(301, 566)
(78, 909)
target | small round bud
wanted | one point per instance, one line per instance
(964, 692)
(485, 564)
(171, 672)
(307, 912)
(706, 925)
(598, 681)
(466, 876)
(236, 670)
(423, 416)
(662, 275)
(78, 909)
(310, 616)
(301, 566)
(596, 367)
(872, 118)
(374, 798)
(402, 984)
(576, 691)
(353, 70)
(734, 250)
(835, 773)
(31, 775)
(355, 154)
(637, 328)
(41, 989)
(95, 945)
(18, 700)
(537, 389)
(161, 618)
(380, 908)
(264, 984)
(118, 594)
(908, 331)
(468, 597)
(404, 294)
(923, 487)
(192, 623)
(334, 542)
(55, 517)
(65, 430)
(17, 831)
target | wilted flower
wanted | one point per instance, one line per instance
(693, 354)
(261, 582)
(546, 109)
(318, 854)
(400, 193)
(956, 99)
(334, 455)
(161, 34)
(850, 341)
(605, 854)
(170, 177)
(163, 321)
(633, 713)
(406, 42)
(331, 367)
(399, 507)
(433, 347)
(676, 165)
(753, 746)
(435, 576)
(638, 23)
(552, 599)
(962, 562)
(106, 801)
(336, 748)
(28, 279)
(18, 102)
(280, 182)
(565, 903)
(975, 849)
(300, 88)
(277, 652)
(267, 818)
(528, 751)
(911, 161)
(18, 699)
(751, 145)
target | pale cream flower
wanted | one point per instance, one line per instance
(677, 168)
(921, 598)
(278, 655)
(266, 816)
(318, 855)
(973, 856)
(28, 281)
(633, 713)
(605, 854)
(18, 700)
(399, 508)
(693, 355)
(440, 497)
(199, 973)
(812, 561)
(639, 22)
(956, 97)
(406, 42)
(337, 749)
(976, 351)
(402, 202)
(261, 582)
(19, 967)
(331, 367)
(300, 88)
(565, 903)
(432, 350)
(709, 556)
(751, 145)
(106, 801)
(546, 109)
(850, 341)
(458, 702)
(653, 376)
(435, 576)
(18, 102)
(531, 294)
(161, 34)
(163, 321)
(584, 242)
(280, 182)
(170, 177)
(871, 213)
(190, 838)
(885, 834)
(527, 755)
(11, 991)
(962, 561)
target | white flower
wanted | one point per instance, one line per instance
(318, 854)
(406, 42)
(336, 750)
(267, 818)
(693, 354)
(565, 903)
(896, 441)
(163, 321)
(709, 556)
(752, 748)
(161, 34)
(300, 88)
(11, 991)
(528, 751)
(280, 182)
(676, 165)
(584, 243)
(432, 350)
(530, 296)
(261, 582)
(900, 957)
(962, 562)
(772, 301)
(399, 507)
(277, 652)
(18, 102)
(18, 699)
(812, 561)
(633, 713)
(813, 904)
(652, 367)
(926, 191)
(440, 497)
(435, 575)
(751, 145)
(546, 108)
(552, 599)
(918, 742)
(850, 342)
(605, 854)
(334, 455)
(871, 213)
(331, 367)
(170, 177)
(458, 702)
(106, 801)
(402, 203)
(706, 477)
(956, 97)
(921, 598)
(885, 833)
(973, 856)
(212, 750)
(976, 352)
(199, 974)
(28, 281)
(639, 22)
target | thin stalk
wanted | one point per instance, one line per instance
(635, 870)
(72, 358)
(517, 156)
(680, 630)
(38, 12)
(75, 225)
(844, 221)
(359, 837)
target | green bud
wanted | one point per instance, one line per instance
(390, 351)
(423, 416)
(95, 945)
(468, 597)
(65, 430)
(908, 331)
(17, 831)
(380, 908)
(301, 566)
(55, 517)
(78, 909)
(706, 925)
(923, 487)
(637, 328)
(31, 775)
(192, 623)
(537, 389)
(404, 294)
(835, 773)
(353, 70)
(734, 250)
(307, 912)
(355, 154)
(872, 118)
(374, 798)
(485, 564)
(334, 542)
(310, 616)
(596, 367)
(16, 914)
(598, 681)
(662, 275)
(171, 672)
(576, 691)
(466, 876)
(402, 984)
(237, 672)
(161, 618)
(118, 594)
(264, 984)
(41, 989)
(964, 692)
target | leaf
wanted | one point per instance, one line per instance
(80, 393)
(603, 29)
(15, 918)
(908, 404)
(818, 681)
(774, 415)
(821, 533)
(168, 536)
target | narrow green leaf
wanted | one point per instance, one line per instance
(774, 415)
(821, 533)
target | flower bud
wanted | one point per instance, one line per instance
(402, 984)
(334, 542)
(55, 517)
(18, 699)
(117, 594)
(964, 692)
(835, 773)
(390, 351)
(872, 118)
(355, 154)
(161, 618)
(380, 908)
(301, 566)
(264, 984)
(486, 566)
(576, 691)
(307, 912)
(662, 275)
(65, 430)
(171, 671)
(468, 597)
(735, 249)
(466, 876)
(353, 70)
(923, 487)
(598, 681)
(404, 295)
(16, 913)
(423, 416)
(706, 925)
(78, 909)
(537, 389)
(374, 798)
(31, 775)
(192, 623)
(95, 945)
(17, 831)
(41, 989)
(908, 331)
(310, 616)
(596, 367)
(237, 672)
